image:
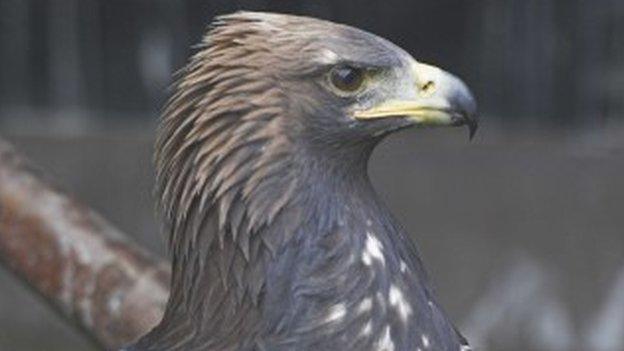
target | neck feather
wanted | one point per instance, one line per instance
(227, 228)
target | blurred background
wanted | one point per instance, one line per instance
(522, 230)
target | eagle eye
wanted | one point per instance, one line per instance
(347, 79)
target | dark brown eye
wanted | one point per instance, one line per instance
(347, 79)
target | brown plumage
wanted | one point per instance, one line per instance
(262, 181)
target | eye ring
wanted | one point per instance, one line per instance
(347, 79)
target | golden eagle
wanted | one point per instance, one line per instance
(278, 239)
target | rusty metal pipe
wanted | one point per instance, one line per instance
(88, 270)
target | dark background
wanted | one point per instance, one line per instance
(522, 229)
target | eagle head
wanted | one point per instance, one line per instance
(261, 175)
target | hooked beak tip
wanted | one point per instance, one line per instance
(472, 127)
(469, 120)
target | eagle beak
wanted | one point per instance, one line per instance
(433, 98)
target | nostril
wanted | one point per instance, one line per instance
(428, 88)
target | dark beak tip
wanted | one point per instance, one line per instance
(468, 120)
(472, 128)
